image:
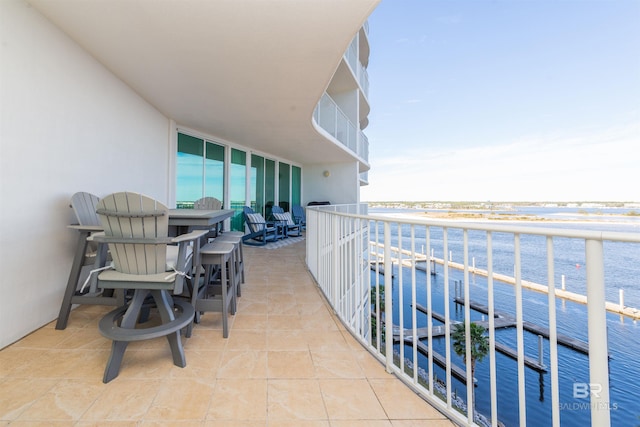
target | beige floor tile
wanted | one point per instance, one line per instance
(250, 321)
(172, 423)
(361, 423)
(298, 423)
(371, 366)
(239, 399)
(327, 340)
(18, 394)
(123, 400)
(84, 339)
(351, 399)
(336, 364)
(288, 340)
(16, 362)
(43, 363)
(257, 306)
(289, 364)
(67, 400)
(243, 364)
(87, 364)
(283, 307)
(181, 399)
(106, 423)
(234, 423)
(146, 364)
(422, 423)
(202, 364)
(251, 340)
(31, 423)
(319, 321)
(284, 322)
(43, 338)
(205, 339)
(402, 403)
(295, 400)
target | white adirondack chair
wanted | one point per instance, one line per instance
(147, 261)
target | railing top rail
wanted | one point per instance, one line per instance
(489, 227)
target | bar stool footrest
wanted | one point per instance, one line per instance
(109, 328)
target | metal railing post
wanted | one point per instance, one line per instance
(597, 322)
(388, 304)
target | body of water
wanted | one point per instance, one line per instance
(622, 271)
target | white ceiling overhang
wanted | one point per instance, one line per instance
(246, 71)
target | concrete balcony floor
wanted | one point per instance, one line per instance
(287, 362)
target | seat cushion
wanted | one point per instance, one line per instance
(285, 217)
(256, 221)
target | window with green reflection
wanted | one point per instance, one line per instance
(257, 183)
(199, 170)
(296, 185)
(237, 186)
(283, 185)
(189, 170)
(269, 186)
(214, 171)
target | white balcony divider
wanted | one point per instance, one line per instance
(363, 79)
(363, 146)
(355, 257)
(352, 54)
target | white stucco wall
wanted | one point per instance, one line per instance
(340, 187)
(66, 125)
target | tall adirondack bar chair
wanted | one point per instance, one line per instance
(210, 203)
(88, 253)
(151, 264)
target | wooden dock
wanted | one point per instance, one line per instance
(564, 340)
(456, 371)
(439, 331)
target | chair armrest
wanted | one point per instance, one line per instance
(101, 238)
(85, 227)
(193, 235)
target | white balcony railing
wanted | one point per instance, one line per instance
(332, 119)
(359, 71)
(353, 255)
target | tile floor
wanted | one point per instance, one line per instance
(287, 362)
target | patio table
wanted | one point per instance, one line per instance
(180, 221)
(184, 220)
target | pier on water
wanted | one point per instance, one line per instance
(405, 258)
(499, 323)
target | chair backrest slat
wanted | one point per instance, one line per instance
(84, 206)
(133, 215)
(208, 203)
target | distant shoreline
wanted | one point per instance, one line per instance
(476, 216)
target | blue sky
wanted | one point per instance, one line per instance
(504, 100)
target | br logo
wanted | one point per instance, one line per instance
(584, 390)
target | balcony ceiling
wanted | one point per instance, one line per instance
(246, 71)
